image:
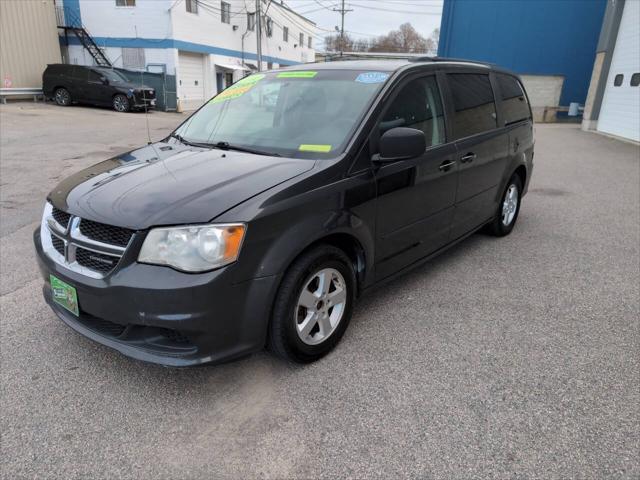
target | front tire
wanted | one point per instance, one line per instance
(508, 208)
(121, 103)
(313, 306)
(62, 97)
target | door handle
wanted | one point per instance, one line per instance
(469, 157)
(446, 165)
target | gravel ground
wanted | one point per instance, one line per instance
(504, 358)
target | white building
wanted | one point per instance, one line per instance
(613, 102)
(206, 44)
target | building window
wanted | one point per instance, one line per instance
(301, 42)
(251, 21)
(125, 3)
(285, 34)
(635, 79)
(617, 81)
(191, 5)
(309, 44)
(225, 12)
(269, 65)
(269, 27)
(133, 58)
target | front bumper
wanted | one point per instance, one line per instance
(160, 315)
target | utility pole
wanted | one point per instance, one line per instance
(259, 34)
(342, 11)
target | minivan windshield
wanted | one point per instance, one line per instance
(301, 114)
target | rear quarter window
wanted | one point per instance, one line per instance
(473, 103)
(513, 101)
(57, 69)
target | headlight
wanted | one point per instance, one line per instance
(194, 248)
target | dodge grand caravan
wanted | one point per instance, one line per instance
(260, 219)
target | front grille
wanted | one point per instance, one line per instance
(105, 326)
(57, 244)
(86, 247)
(61, 217)
(95, 261)
(106, 233)
(174, 336)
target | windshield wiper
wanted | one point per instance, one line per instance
(237, 148)
(181, 139)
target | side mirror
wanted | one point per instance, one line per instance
(104, 80)
(400, 143)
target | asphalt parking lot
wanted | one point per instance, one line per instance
(506, 358)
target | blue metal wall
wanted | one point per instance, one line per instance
(545, 37)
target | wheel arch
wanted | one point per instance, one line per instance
(521, 171)
(350, 245)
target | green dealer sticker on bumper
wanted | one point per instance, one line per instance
(64, 295)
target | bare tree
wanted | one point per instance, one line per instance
(406, 40)
(435, 39)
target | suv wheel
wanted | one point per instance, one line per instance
(508, 208)
(313, 306)
(62, 97)
(121, 103)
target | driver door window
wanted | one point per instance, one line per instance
(418, 105)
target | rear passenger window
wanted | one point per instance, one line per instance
(79, 73)
(473, 103)
(417, 106)
(94, 76)
(513, 102)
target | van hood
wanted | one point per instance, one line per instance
(170, 184)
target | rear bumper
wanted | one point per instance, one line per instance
(159, 315)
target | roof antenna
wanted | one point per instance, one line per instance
(146, 108)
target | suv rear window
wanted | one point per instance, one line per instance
(58, 69)
(514, 103)
(473, 103)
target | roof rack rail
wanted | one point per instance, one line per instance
(447, 59)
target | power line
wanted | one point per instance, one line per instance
(324, 6)
(368, 7)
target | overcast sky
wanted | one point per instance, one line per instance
(371, 17)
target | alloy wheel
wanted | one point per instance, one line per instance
(509, 205)
(120, 103)
(321, 306)
(62, 97)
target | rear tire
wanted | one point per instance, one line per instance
(313, 305)
(62, 97)
(121, 103)
(508, 208)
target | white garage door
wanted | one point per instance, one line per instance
(191, 80)
(620, 112)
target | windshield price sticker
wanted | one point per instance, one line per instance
(314, 148)
(238, 89)
(372, 77)
(304, 74)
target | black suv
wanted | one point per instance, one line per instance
(67, 84)
(262, 218)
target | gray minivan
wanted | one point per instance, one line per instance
(260, 219)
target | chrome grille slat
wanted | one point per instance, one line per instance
(67, 245)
